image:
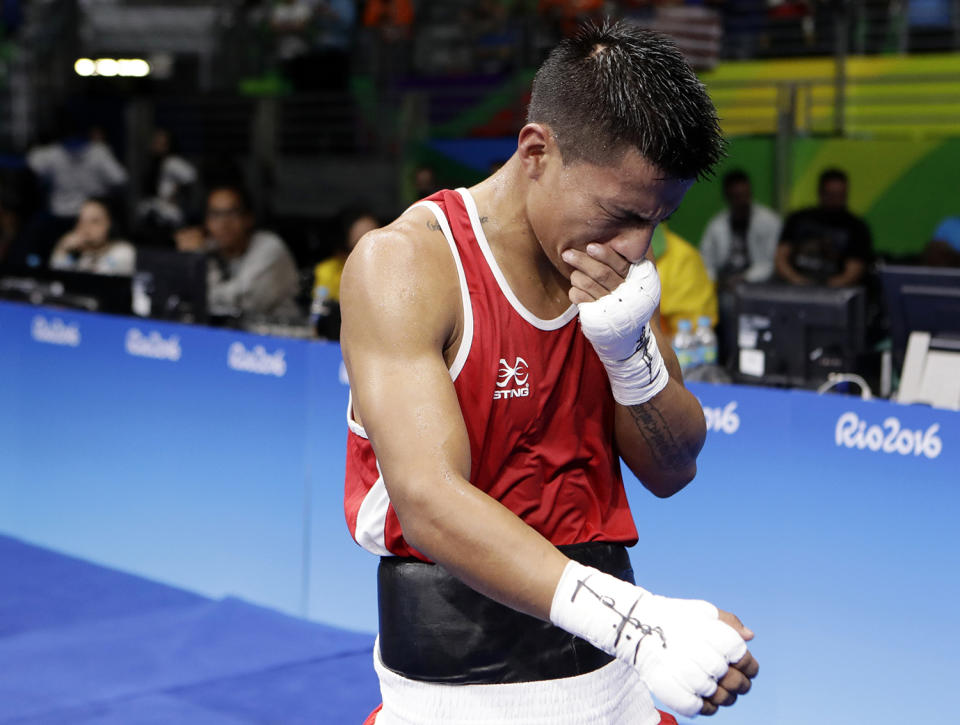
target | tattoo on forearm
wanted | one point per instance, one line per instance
(666, 450)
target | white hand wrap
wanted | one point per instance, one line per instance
(679, 646)
(618, 327)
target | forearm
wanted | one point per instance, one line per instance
(852, 274)
(659, 440)
(481, 542)
(784, 269)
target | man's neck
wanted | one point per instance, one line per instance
(237, 251)
(740, 216)
(501, 203)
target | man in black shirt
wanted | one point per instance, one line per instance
(825, 244)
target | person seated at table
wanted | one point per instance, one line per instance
(943, 249)
(355, 221)
(93, 244)
(825, 245)
(686, 290)
(252, 273)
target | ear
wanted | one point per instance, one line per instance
(535, 144)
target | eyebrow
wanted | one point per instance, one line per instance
(621, 213)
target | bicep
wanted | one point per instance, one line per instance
(393, 336)
(407, 404)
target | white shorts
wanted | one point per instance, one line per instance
(611, 695)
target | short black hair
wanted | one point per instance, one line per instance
(832, 174)
(737, 176)
(614, 85)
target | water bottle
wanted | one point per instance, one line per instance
(684, 345)
(706, 342)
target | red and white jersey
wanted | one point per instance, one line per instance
(537, 406)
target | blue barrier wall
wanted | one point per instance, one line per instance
(213, 460)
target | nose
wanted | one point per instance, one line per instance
(632, 244)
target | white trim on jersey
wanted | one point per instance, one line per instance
(353, 425)
(554, 324)
(460, 360)
(372, 518)
(372, 514)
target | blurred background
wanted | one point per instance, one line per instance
(180, 185)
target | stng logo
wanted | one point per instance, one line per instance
(722, 420)
(518, 373)
(891, 437)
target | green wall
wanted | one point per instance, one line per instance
(902, 187)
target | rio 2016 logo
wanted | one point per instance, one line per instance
(722, 420)
(890, 437)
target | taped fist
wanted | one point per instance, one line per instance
(680, 647)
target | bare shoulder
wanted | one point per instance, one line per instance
(401, 277)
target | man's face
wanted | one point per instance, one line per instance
(833, 195)
(617, 205)
(228, 222)
(738, 197)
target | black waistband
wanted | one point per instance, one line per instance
(433, 627)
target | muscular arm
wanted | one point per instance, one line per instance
(659, 440)
(400, 300)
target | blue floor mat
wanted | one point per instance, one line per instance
(84, 644)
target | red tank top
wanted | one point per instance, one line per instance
(537, 406)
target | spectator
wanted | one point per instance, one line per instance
(389, 23)
(686, 290)
(943, 249)
(10, 223)
(393, 17)
(568, 15)
(325, 308)
(314, 34)
(496, 36)
(77, 167)
(740, 243)
(424, 182)
(168, 187)
(355, 222)
(825, 244)
(252, 272)
(93, 245)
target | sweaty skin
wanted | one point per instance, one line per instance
(561, 234)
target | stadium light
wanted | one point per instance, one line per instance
(85, 67)
(112, 67)
(107, 67)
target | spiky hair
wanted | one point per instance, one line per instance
(614, 86)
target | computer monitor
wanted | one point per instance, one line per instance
(796, 336)
(923, 299)
(63, 288)
(170, 285)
